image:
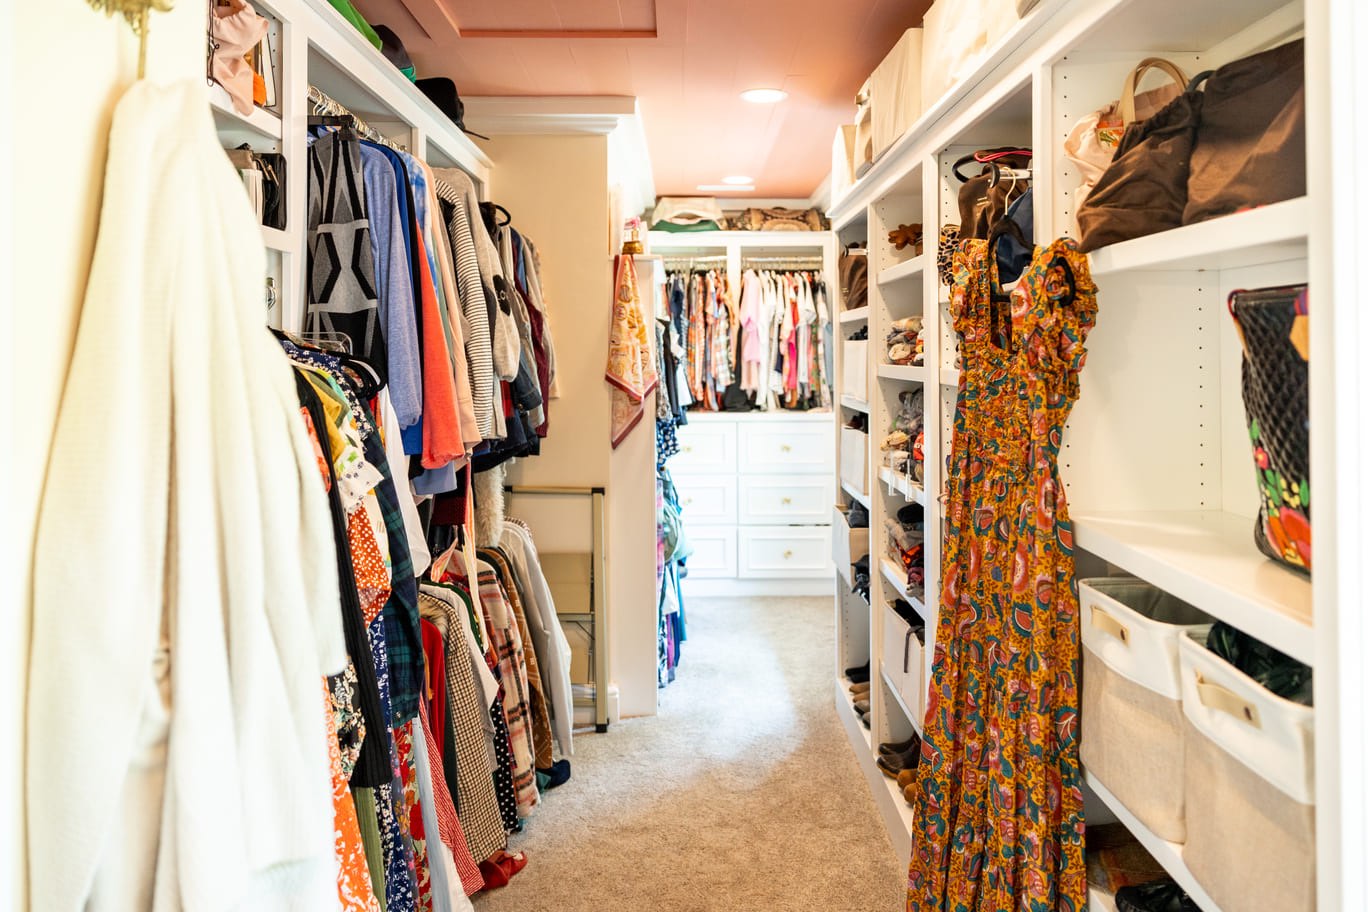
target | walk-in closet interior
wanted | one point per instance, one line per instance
(686, 455)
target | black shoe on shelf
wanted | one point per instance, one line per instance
(859, 674)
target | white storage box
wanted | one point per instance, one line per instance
(895, 95)
(896, 633)
(847, 545)
(913, 693)
(1132, 737)
(855, 369)
(1250, 785)
(855, 459)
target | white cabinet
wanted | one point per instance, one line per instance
(758, 487)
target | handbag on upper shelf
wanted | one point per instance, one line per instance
(1093, 141)
(1251, 142)
(1235, 140)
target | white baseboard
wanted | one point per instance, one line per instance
(751, 588)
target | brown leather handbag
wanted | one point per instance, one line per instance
(854, 275)
(1251, 145)
(985, 196)
(1144, 189)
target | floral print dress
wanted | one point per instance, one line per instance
(999, 804)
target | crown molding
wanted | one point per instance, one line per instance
(548, 115)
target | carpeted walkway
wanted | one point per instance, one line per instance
(743, 795)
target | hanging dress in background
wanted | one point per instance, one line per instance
(999, 804)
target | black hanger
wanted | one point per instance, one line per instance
(346, 130)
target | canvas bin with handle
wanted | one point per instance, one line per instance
(1132, 738)
(1249, 776)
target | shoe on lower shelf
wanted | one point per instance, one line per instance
(859, 674)
(901, 747)
(859, 690)
(862, 706)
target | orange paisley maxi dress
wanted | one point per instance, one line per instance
(998, 803)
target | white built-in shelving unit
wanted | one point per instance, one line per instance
(1156, 459)
(315, 46)
(755, 487)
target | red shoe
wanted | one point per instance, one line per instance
(511, 864)
(494, 875)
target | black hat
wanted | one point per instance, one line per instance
(394, 50)
(442, 92)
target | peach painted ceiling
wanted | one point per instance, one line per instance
(687, 61)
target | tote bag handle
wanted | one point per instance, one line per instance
(1127, 103)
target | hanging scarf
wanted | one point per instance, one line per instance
(630, 369)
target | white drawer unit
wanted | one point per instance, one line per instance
(707, 499)
(714, 551)
(785, 552)
(798, 500)
(762, 486)
(787, 447)
(705, 447)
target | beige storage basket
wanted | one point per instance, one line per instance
(1250, 783)
(855, 459)
(1132, 737)
(847, 545)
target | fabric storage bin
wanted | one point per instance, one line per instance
(847, 545)
(913, 689)
(895, 97)
(855, 369)
(863, 157)
(1250, 784)
(855, 459)
(1132, 738)
(895, 635)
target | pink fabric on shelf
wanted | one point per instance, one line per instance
(236, 30)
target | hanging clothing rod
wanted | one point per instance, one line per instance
(780, 263)
(323, 104)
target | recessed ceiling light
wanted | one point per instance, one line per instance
(725, 188)
(738, 180)
(764, 96)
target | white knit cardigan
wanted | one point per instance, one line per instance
(185, 595)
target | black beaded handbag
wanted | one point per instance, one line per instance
(1273, 324)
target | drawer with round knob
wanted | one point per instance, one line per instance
(767, 500)
(707, 499)
(785, 552)
(788, 447)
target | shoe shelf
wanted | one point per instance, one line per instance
(887, 796)
(1255, 237)
(1168, 854)
(909, 269)
(854, 315)
(896, 693)
(1208, 558)
(896, 481)
(915, 373)
(854, 404)
(897, 579)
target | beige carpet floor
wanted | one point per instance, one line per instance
(742, 795)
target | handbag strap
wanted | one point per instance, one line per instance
(1127, 104)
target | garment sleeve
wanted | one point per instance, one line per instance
(479, 353)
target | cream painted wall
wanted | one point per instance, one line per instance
(69, 68)
(556, 187)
